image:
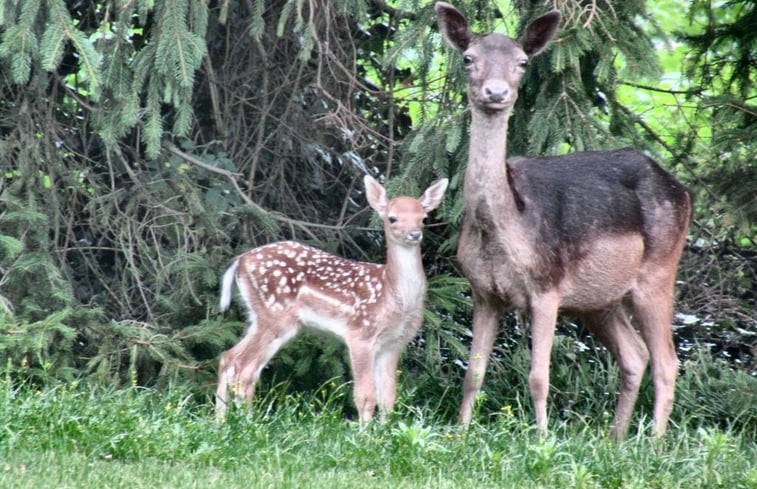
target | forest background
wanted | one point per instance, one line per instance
(143, 143)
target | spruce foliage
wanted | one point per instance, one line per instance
(724, 58)
(143, 143)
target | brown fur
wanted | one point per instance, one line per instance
(375, 309)
(584, 233)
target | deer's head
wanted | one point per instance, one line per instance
(495, 63)
(403, 216)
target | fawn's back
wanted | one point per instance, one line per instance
(320, 290)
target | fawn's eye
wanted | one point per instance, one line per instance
(523, 63)
(392, 219)
(467, 59)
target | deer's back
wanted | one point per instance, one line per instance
(281, 271)
(571, 199)
(288, 281)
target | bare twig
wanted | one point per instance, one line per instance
(214, 98)
(231, 177)
(694, 91)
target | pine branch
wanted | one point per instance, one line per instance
(257, 26)
(154, 122)
(392, 11)
(53, 45)
(179, 49)
(20, 43)
(60, 29)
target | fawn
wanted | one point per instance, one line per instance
(376, 309)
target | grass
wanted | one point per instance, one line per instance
(85, 436)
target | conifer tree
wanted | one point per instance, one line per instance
(145, 142)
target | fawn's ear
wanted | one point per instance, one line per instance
(539, 33)
(375, 194)
(453, 26)
(433, 195)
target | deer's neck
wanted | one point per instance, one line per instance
(486, 173)
(404, 276)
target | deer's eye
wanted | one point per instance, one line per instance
(467, 59)
(523, 63)
(392, 219)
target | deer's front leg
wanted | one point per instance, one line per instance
(486, 316)
(386, 380)
(543, 318)
(363, 359)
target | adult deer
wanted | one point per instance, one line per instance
(589, 233)
(375, 309)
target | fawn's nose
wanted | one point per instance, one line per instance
(414, 235)
(496, 93)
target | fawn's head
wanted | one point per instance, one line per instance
(495, 63)
(403, 216)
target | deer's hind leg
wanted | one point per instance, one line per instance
(613, 329)
(241, 365)
(226, 377)
(652, 301)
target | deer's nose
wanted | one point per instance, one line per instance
(496, 93)
(414, 235)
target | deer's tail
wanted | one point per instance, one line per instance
(227, 283)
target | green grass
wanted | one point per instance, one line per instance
(84, 436)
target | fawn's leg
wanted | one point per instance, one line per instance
(253, 353)
(363, 359)
(386, 380)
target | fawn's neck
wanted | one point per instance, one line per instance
(404, 275)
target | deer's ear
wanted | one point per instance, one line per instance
(433, 195)
(375, 194)
(540, 32)
(453, 26)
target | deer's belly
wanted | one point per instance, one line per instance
(314, 319)
(605, 274)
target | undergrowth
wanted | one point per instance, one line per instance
(80, 434)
